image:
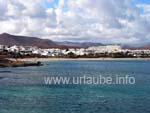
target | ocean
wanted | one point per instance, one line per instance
(23, 90)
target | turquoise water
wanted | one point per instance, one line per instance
(22, 90)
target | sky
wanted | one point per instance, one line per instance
(105, 21)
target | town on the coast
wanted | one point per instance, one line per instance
(108, 51)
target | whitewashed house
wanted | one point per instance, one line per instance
(13, 49)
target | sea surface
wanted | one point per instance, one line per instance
(22, 89)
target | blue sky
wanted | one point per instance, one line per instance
(53, 4)
(105, 21)
(141, 1)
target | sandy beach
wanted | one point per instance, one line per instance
(61, 59)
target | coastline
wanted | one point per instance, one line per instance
(17, 63)
(62, 59)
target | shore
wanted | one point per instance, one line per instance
(7, 62)
(61, 59)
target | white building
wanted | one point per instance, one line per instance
(1, 46)
(108, 48)
(13, 49)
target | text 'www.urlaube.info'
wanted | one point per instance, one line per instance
(87, 80)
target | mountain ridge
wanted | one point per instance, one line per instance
(80, 44)
(8, 39)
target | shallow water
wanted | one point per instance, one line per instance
(22, 89)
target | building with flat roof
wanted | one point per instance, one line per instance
(108, 48)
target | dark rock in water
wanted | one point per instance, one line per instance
(1, 78)
(3, 60)
(13, 63)
(29, 64)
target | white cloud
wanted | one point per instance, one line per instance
(106, 21)
(11, 26)
(146, 7)
(50, 1)
(3, 9)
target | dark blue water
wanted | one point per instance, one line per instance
(22, 90)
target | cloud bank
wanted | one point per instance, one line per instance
(106, 21)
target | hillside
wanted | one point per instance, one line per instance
(7, 39)
(80, 44)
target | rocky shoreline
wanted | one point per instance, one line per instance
(14, 63)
